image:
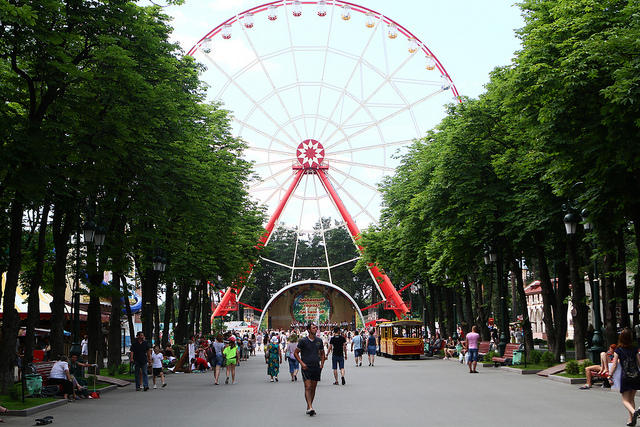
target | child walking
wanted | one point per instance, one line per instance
(157, 358)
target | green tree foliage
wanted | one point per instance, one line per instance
(103, 119)
(557, 127)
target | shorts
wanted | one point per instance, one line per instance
(311, 373)
(473, 355)
(357, 352)
(293, 365)
(371, 349)
(157, 372)
(337, 360)
(217, 360)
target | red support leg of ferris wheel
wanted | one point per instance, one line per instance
(230, 295)
(310, 154)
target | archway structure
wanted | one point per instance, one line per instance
(310, 300)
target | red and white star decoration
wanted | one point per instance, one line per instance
(310, 153)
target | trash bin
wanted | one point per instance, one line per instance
(33, 384)
(517, 357)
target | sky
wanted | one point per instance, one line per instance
(364, 128)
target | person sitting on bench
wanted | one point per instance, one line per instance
(602, 370)
(60, 376)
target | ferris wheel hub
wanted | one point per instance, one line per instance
(310, 154)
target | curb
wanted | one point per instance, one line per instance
(46, 406)
(567, 380)
(520, 371)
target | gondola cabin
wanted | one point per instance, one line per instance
(402, 338)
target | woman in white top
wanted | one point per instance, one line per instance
(60, 376)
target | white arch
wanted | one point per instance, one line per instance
(305, 282)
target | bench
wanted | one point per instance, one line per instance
(484, 347)
(43, 369)
(507, 358)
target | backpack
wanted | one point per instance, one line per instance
(630, 368)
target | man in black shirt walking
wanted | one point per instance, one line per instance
(140, 354)
(310, 355)
(338, 347)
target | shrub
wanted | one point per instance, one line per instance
(548, 359)
(572, 367)
(585, 364)
(15, 391)
(539, 342)
(489, 356)
(534, 357)
(570, 344)
(112, 370)
(123, 368)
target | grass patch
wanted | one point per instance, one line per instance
(529, 366)
(125, 376)
(29, 402)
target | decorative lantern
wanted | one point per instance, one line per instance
(322, 8)
(272, 12)
(431, 62)
(297, 8)
(370, 21)
(413, 45)
(226, 32)
(392, 31)
(346, 12)
(205, 46)
(248, 20)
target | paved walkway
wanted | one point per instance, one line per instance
(406, 392)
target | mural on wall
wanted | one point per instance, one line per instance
(311, 306)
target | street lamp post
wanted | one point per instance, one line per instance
(597, 342)
(91, 234)
(159, 264)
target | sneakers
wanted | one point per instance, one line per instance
(311, 412)
(155, 386)
(146, 388)
(164, 384)
(226, 381)
(360, 364)
(343, 381)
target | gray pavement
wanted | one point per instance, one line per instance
(393, 393)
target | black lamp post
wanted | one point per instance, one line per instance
(159, 264)
(597, 341)
(91, 234)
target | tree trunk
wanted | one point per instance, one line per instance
(432, 307)
(206, 309)
(33, 315)
(609, 301)
(168, 314)
(560, 313)
(127, 306)
(468, 307)
(521, 299)
(181, 329)
(114, 355)
(62, 226)
(621, 280)
(11, 319)
(481, 319)
(578, 297)
(548, 296)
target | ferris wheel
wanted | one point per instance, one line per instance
(325, 93)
